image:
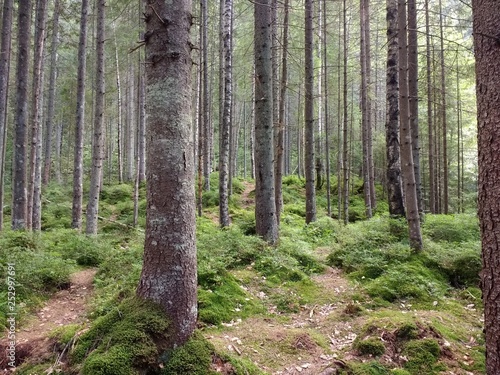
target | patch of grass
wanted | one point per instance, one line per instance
(370, 368)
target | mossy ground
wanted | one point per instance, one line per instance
(263, 309)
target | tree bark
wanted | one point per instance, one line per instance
(444, 125)
(225, 126)
(5, 53)
(365, 115)
(98, 139)
(309, 114)
(265, 207)
(430, 116)
(169, 272)
(345, 132)
(280, 128)
(407, 169)
(19, 188)
(486, 24)
(205, 99)
(119, 124)
(413, 97)
(394, 186)
(76, 221)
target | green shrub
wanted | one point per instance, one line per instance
(112, 194)
(451, 228)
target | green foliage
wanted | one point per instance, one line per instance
(112, 194)
(407, 331)
(370, 346)
(65, 334)
(451, 228)
(409, 280)
(85, 250)
(369, 368)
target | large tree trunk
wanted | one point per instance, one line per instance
(98, 139)
(35, 181)
(265, 207)
(486, 24)
(169, 272)
(309, 115)
(225, 124)
(4, 88)
(76, 221)
(205, 99)
(19, 188)
(407, 169)
(394, 187)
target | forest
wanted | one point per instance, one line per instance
(249, 187)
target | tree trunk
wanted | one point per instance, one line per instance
(225, 125)
(76, 222)
(19, 188)
(309, 114)
(34, 188)
(205, 99)
(280, 128)
(407, 169)
(324, 75)
(444, 125)
(169, 271)
(5, 53)
(98, 141)
(345, 132)
(49, 124)
(413, 97)
(486, 24)
(252, 129)
(430, 115)
(394, 186)
(119, 124)
(365, 115)
(265, 206)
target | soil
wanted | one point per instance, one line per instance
(68, 306)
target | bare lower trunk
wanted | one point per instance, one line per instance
(169, 271)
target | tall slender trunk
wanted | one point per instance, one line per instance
(339, 118)
(345, 132)
(444, 125)
(225, 126)
(413, 97)
(34, 188)
(76, 221)
(119, 124)
(280, 124)
(19, 188)
(5, 52)
(49, 124)
(98, 141)
(252, 129)
(430, 115)
(205, 99)
(365, 115)
(324, 74)
(394, 186)
(265, 207)
(309, 114)
(408, 171)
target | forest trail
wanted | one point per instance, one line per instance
(246, 200)
(68, 306)
(287, 344)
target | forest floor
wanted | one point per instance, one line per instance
(67, 306)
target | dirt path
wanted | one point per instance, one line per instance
(65, 307)
(246, 201)
(288, 344)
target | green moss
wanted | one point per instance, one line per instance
(407, 331)
(66, 333)
(122, 340)
(370, 346)
(399, 371)
(422, 356)
(112, 194)
(193, 358)
(370, 368)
